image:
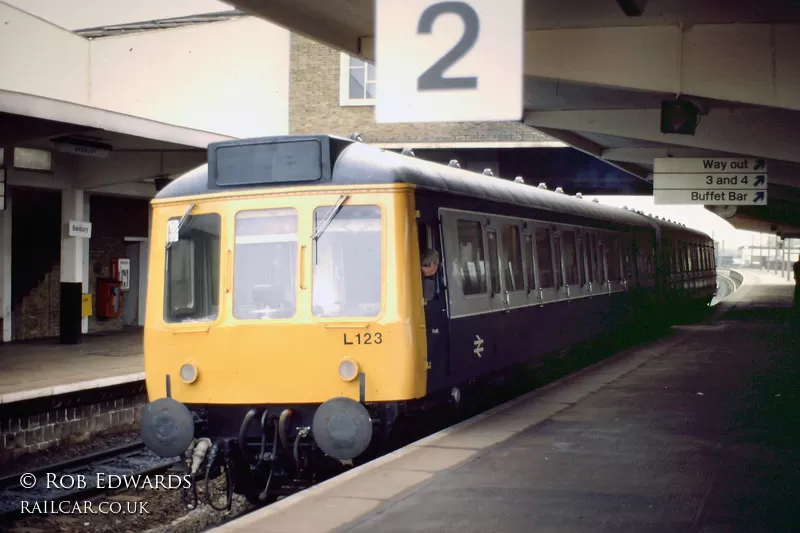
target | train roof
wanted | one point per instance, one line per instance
(345, 162)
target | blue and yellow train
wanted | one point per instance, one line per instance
(289, 320)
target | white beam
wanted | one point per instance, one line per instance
(82, 115)
(750, 63)
(758, 132)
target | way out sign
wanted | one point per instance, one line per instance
(449, 61)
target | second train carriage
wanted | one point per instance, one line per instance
(286, 310)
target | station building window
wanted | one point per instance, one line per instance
(358, 82)
(265, 264)
(471, 258)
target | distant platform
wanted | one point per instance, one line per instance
(36, 369)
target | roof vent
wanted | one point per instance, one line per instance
(487, 172)
(408, 151)
(454, 163)
(519, 179)
(596, 201)
(579, 196)
(355, 136)
(559, 190)
(542, 185)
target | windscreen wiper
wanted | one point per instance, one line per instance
(181, 222)
(328, 218)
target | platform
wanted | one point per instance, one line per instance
(695, 432)
(34, 369)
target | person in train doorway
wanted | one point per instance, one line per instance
(430, 268)
(796, 268)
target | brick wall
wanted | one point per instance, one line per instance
(35, 263)
(113, 219)
(22, 435)
(314, 107)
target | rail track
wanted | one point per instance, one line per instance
(61, 481)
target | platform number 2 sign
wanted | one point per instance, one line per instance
(449, 61)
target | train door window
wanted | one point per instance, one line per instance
(511, 264)
(588, 239)
(544, 256)
(471, 257)
(494, 273)
(191, 292)
(265, 264)
(530, 260)
(425, 237)
(347, 262)
(571, 258)
(557, 260)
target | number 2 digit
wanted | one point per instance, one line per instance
(433, 78)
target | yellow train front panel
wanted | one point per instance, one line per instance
(286, 297)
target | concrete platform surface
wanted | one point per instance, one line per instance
(699, 431)
(36, 369)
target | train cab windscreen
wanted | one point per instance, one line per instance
(265, 264)
(191, 292)
(347, 262)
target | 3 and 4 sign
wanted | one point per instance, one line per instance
(443, 61)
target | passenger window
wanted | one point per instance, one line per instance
(192, 270)
(571, 258)
(590, 256)
(471, 258)
(557, 256)
(347, 263)
(544, 255)
(265, 264)
(613, 258)
(512, 259)
(529, 259)
(494, 274)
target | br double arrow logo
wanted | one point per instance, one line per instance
(478, 342)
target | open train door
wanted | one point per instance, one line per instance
(436, 319)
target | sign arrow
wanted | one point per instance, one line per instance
(759, 164)
(759, 196)
(759, 180)
(478, 342)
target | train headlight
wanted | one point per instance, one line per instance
(348, 370)
(188, 373)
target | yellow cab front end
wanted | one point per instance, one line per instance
(282, 300)
(264, 311)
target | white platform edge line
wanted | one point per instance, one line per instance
(11, 397)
